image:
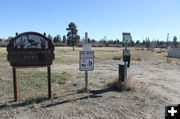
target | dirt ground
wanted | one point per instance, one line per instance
(157, 84)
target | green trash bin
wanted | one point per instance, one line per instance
(122, 72)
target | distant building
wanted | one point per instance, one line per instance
(174, 52)
(3, 44)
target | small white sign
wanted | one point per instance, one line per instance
(126, 52)
(169, 48)
(86, 47)
(126, 37)
(86, 62)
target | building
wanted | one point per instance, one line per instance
(174, 52)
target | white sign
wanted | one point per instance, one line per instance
(126, 52)
(86, 47)
(86, 61)
(169, 48)
(126, 37)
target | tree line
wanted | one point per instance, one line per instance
(73, 39)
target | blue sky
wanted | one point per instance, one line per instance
(142, 18)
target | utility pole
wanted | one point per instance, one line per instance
(167, 39)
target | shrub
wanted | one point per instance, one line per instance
(120, 86)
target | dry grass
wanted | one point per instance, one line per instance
(63, 56)
(116, 85)
(160, 51)
(169, 60)
(137, 58)
(141, 99)
(117, 57)
(164, 56)
(122, 86)
(2, 50)
(128, 84)
(140, 49)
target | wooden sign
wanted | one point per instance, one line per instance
(30, 49)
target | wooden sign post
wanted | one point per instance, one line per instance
(30, 49)
(49, 81)
(15, 84)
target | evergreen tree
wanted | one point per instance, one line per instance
(64, 39)
(50, 37)
(137, 43)
(72, 37)
(132, 43)
(147, 42)
(175, 41)
(9, 38)
(57, 39)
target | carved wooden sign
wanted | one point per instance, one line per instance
(30, 49)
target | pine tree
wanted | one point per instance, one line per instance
(64, 39)
(175, 41)
(72, 37)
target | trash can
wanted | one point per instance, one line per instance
(122, 72)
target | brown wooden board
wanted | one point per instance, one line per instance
(30, 49)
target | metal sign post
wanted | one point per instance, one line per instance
(86, 62)
(86, 80)
(126, 57)
(86, 72)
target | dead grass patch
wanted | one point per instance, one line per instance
(122, 86)
(117, 57)
(128, 83)
(137, 59)
(161, 51)
(2, 50)
(169, 60)
(140, 49)
(141, 99)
